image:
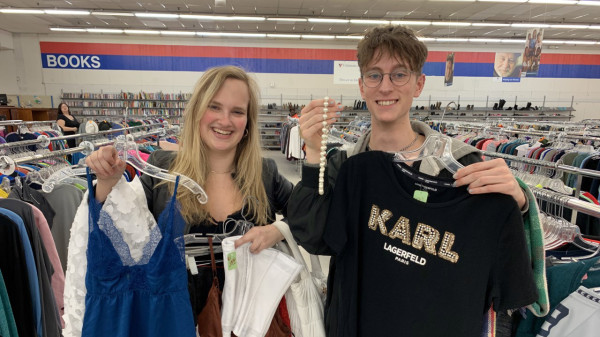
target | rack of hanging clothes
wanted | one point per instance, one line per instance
(35, 229)
(290, 139)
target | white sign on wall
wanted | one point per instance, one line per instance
(345, 72)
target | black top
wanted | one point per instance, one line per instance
(413, 268)
(68, 123)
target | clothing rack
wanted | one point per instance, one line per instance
(567, 201)
(7, 164)
(43, 138)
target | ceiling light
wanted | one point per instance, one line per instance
(21, 11)
(489, 24)
(105, 30)
(426, 38)
(570, 26)
(288, 19)
(451, 39)
(594, 27)
(157, 15)
(370, 22)
(589, 3)
(348, 37)
(316, 36)
(476, 39)
(580, 42)
(546, 41)
(530, 25)
(142, 31)
(408, 23)
(176, 32)
(230, 34)
(65, 12)
(222, 18)
(513, 41)
(444, 23)
(319, 20)
(285, 36)
(113, 13)
(554, 2)
(502, 0)
(58, 29)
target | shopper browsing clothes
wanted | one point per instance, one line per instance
(416, 250)
(67, 122)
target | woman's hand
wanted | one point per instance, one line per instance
(261, 237)
(107, 167)
(492, 176)
(311, 123)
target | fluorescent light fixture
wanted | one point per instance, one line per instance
(426, 38)
(176, 32)
(594, 27)
(142, 32)
(546, 41)
(348, 37)
(409, 23)
(580, 42)
(58, 29)
(502, 0)
(449, 23)
(530, 25)
(554, 2)
(157, 15)
(370, 22)
(570, 26)
(319, 20)
(104, 30)
(288, 19)
(113, 13)
(316, 36)
(231, 34)
(65, 12)
(483, 40)
(285, 36)
(21, 11)
(222, 18)
(451, 39)
(589, 3)
(489, 24)
(513, 41)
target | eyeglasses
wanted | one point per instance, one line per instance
(400, 77)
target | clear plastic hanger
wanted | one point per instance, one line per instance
(128, 152)
(437, 146)
(5, 185)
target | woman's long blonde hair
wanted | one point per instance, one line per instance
(192, 158)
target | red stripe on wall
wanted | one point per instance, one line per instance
(196, 51)
(579, 59)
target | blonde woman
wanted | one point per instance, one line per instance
(220, 150)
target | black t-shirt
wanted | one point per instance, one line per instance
(69, 123)
(412, 268)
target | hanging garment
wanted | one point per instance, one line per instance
(8, 327)
(127, 296)
(209, 319)
(404, 243)
(16, 275)
(577, 316)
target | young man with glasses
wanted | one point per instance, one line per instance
(391, 59)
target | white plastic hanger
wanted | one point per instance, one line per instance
(437, 146)
(128, 152)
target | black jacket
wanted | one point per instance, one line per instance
(278, 188)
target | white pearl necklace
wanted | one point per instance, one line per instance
(323, 158)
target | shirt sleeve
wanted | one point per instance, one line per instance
(513, 284)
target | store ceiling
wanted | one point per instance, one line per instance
(444, 10)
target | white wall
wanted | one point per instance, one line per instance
(25, 71)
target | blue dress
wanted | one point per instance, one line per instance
(143, 298)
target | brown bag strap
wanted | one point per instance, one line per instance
(213, 263)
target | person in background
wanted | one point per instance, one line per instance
(67, 122)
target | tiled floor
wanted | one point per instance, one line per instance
(292, 171)
(289, 169)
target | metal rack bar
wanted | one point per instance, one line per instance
(571, 202)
